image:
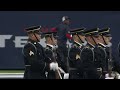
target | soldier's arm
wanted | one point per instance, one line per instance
(30, 53)
(48, 54)
(87, 56)
(116, 64)
(103, 59)
(74, 57)
(61, 62)
(68, 35)
(100, 55)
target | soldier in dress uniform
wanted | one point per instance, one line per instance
(114, 63)
(51, 43)
(75, 63)
(36, 62)
(100, 56)
(88, 55)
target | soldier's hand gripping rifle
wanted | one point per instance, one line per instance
(57, 72)
(110, 66)
(112, 74)
(54, 53)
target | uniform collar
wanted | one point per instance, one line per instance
(102, 45)
(77, 43)
(91, 45)
(49, 45)
(34, 42)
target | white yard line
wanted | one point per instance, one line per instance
(11, 75)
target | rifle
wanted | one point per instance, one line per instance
(57, 72)
(68, 59)
(119, 49)
(112, 74)
(110, 62)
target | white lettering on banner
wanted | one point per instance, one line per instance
(3, 38)
(20, 41)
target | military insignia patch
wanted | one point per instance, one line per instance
(77, 56)
(31, 53)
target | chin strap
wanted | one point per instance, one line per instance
(93, 40)
(35, 37)
(80, 39)
(104, 40)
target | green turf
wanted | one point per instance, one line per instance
(11, 71)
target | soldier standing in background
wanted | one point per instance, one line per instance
(63, 34)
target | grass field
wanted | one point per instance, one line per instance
(11, 71)
(11, 74)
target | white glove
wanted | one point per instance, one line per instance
(119, 77)
(107, 76)
(66, 76)
(53, 66)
